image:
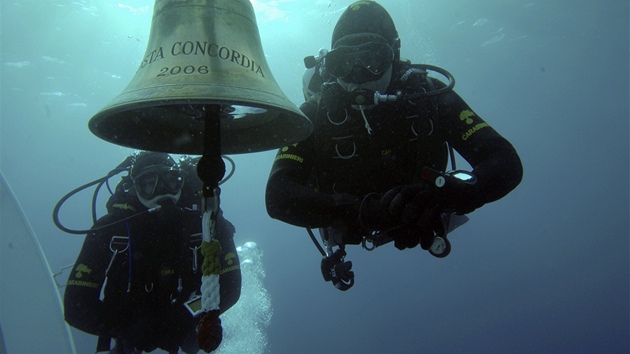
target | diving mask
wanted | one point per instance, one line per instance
(359, 63)
(158, 180)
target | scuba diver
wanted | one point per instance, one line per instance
(137, 278)
(375, 168)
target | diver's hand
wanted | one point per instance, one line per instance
(374, 216)
(138, 337)
(422, 232)
(408, 203)
(416, 208)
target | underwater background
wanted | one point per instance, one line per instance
(544, 270)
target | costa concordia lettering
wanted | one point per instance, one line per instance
(198, 48)
(216, 51)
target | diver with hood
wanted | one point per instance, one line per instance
(137, 278)
(376, 168)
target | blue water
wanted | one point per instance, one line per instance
(544, 270)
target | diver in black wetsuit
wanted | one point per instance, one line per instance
(131, 280)
(382, 132)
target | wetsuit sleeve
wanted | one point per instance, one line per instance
(494, 160)
(289, 198)
(82, 307)
(230, 278)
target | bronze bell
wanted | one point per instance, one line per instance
(200, 53)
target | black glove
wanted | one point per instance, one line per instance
(422, 232)
(165, 329)
(374, 215)
(417, 208)
(138, 337)
(406, 204)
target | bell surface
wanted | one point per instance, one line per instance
(200, 53)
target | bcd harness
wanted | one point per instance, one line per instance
(180, 296)
(417, 102)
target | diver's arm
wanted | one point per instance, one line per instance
(289, 199)
(494, 160)
(82, 307)
(230, 278)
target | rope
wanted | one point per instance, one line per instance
(209, 330)
(210, 279)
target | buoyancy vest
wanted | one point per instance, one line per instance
(157, 260)
(404, 137)
(154, 268)
(162, 257)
